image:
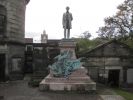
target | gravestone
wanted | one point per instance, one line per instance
(76, 80)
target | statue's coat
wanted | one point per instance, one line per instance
(65, 19)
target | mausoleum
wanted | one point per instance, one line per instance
(111, 63)
(12, 29)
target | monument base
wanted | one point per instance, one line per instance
(77, 81)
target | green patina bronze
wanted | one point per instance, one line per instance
(64, 65)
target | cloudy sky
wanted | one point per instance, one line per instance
(88, 15)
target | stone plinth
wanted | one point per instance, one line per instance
(77, 80)
(68, 44)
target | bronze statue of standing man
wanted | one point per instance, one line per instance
(66, 21)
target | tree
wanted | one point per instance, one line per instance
(106, 32)
(86, 35)
(119, 25)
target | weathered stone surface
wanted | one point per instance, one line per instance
(77, 80)
(72, 83)
(13, 37)
(112, 55)
(76, 77)
(68, 44)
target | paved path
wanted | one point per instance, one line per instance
(107, 93)
(112, 97)
(19, 90)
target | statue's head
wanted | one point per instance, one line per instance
(67, 8)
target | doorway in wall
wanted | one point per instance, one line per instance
(2, 67)
(113, 79)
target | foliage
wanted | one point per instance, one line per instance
(128, 41)
(83, 41)
(34, 83)
(83, 44)
(86, 44)
(119, 25)
(125, 94)
(86, 35)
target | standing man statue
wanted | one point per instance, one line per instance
(66, 21)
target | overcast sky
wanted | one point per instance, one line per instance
(88, 15)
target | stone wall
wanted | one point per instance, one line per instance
(95, 64)
(15, 51)
(40, 59)
(16, 19)
(14, 36)
(130, 76)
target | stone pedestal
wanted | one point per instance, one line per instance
(68, 44)
(78, 80)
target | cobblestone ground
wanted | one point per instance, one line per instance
(19, 90)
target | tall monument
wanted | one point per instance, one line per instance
(67, 72)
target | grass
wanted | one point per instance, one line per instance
(125, 94)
